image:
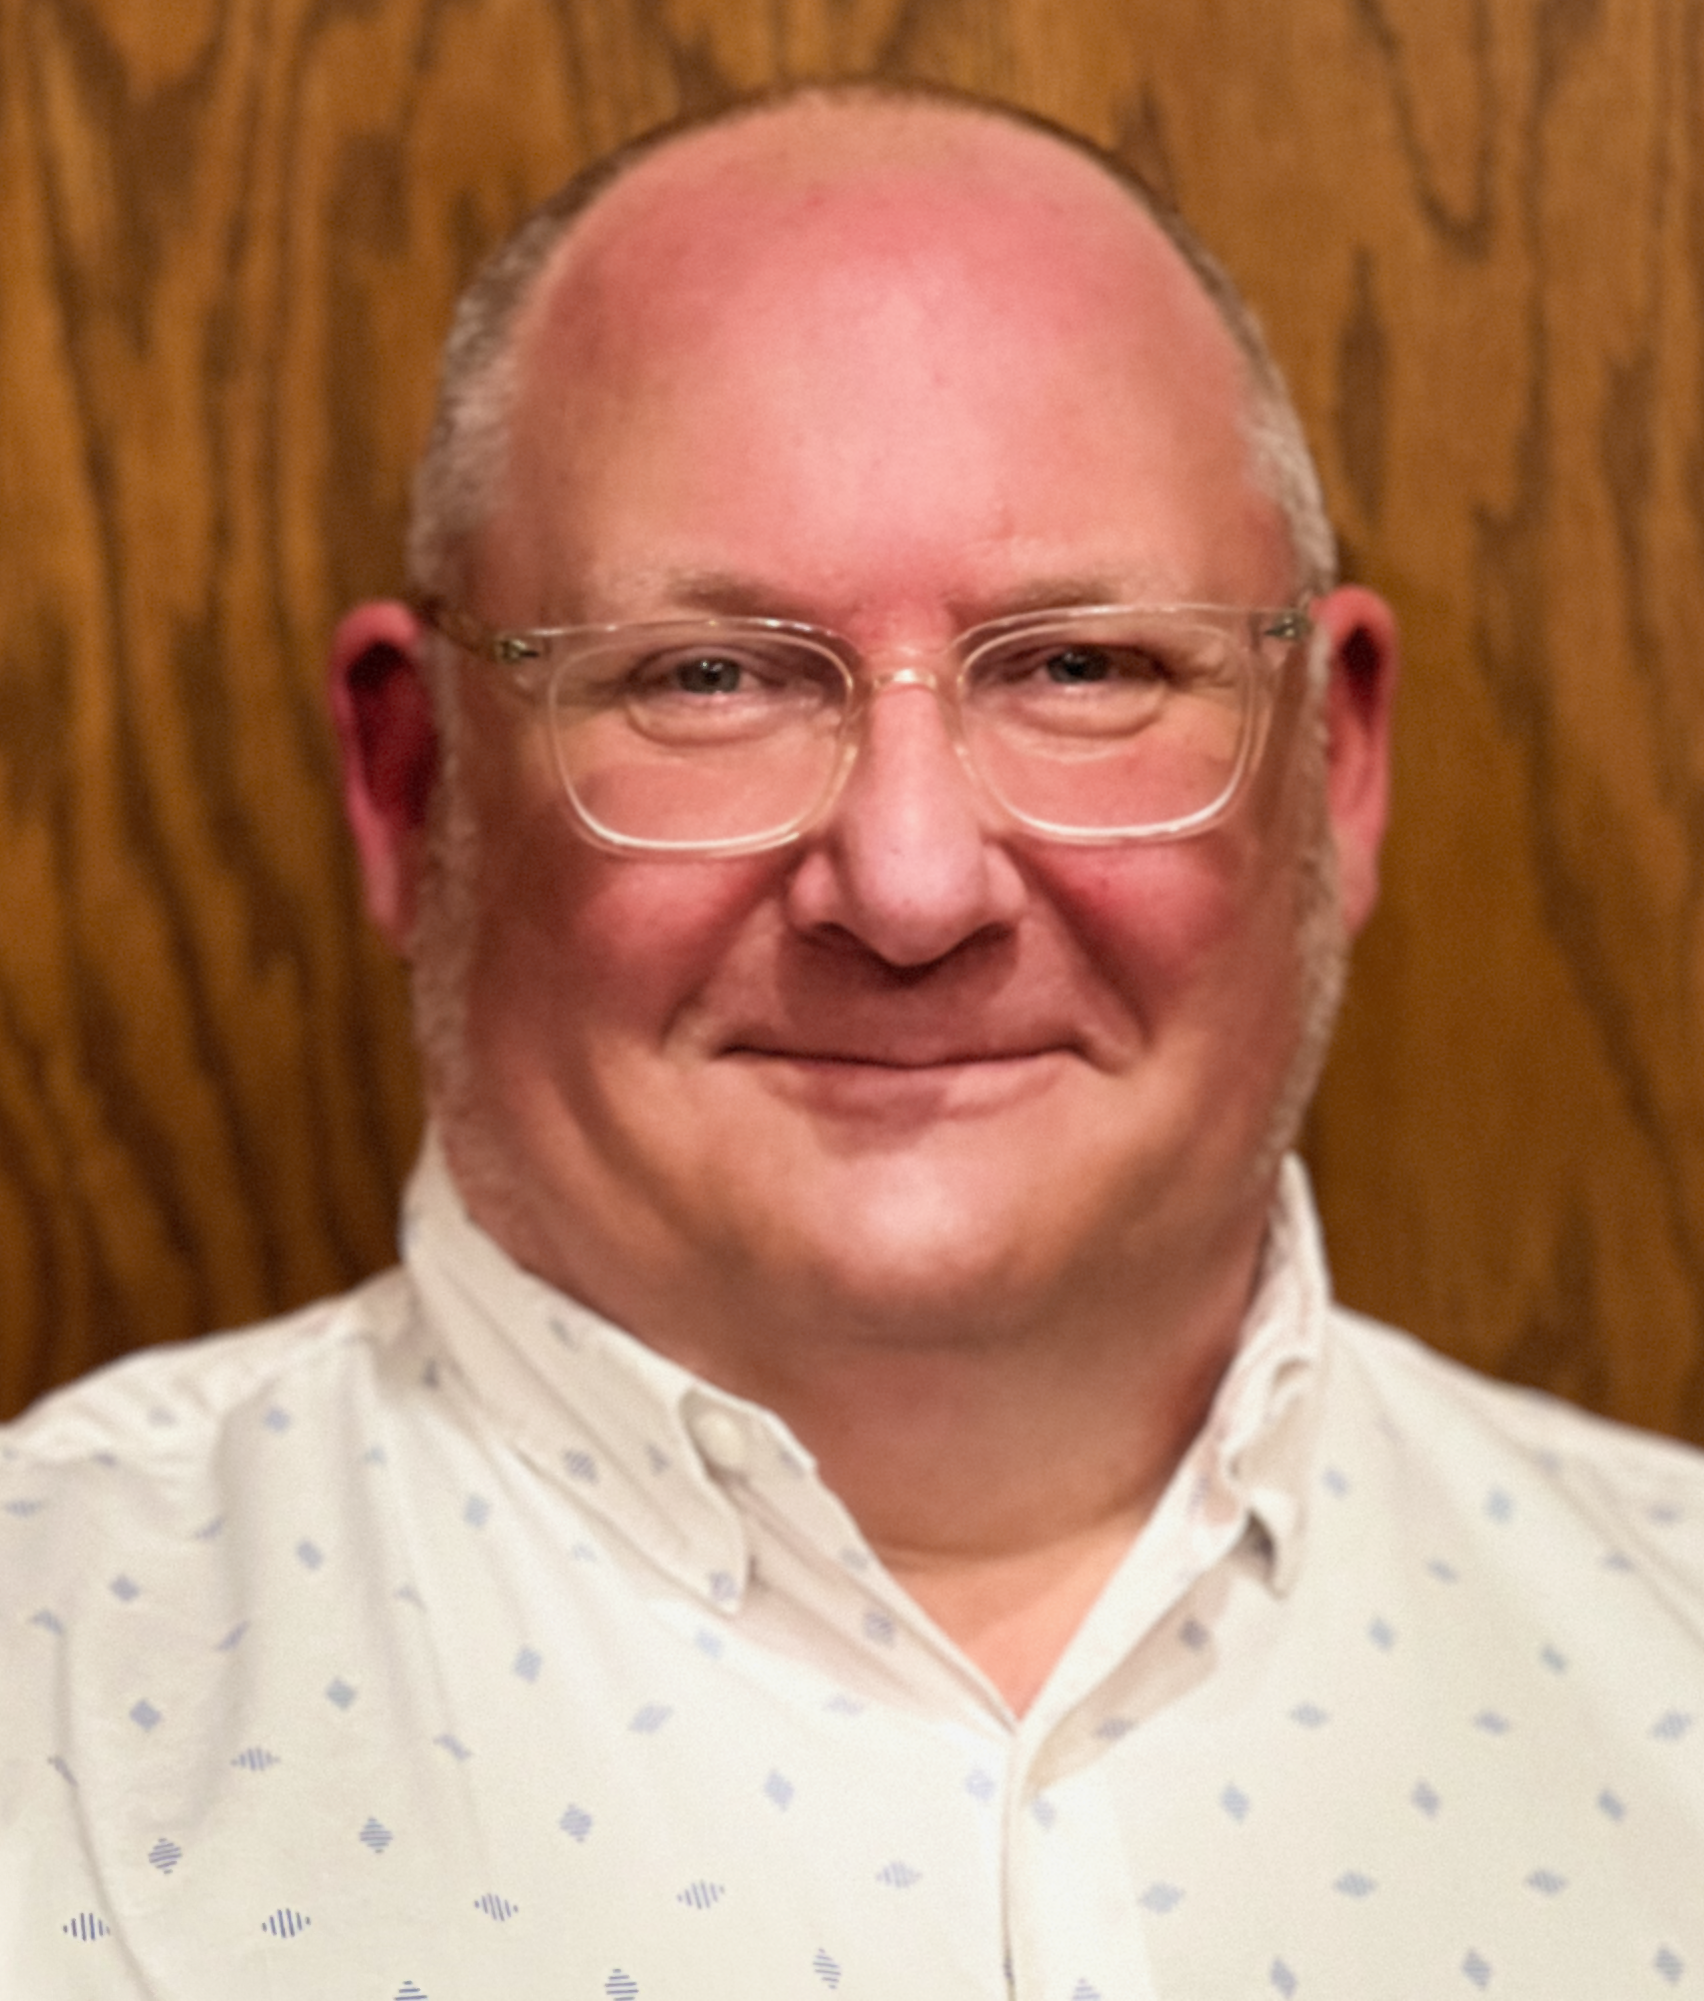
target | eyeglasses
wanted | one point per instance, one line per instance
(725, 736)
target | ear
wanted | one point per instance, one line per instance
(388, 740)
(1360, 629)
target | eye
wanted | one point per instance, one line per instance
(1085, 666)
(696, 674)
(1080, 666)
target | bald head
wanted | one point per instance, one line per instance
(878, 203)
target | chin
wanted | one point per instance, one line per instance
(906, 1259)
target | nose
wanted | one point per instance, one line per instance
(908, 863)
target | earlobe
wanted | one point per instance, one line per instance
(388, 741)
(1364, 663)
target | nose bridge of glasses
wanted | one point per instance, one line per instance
(913, 674)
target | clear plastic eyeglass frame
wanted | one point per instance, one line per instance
(552, 665)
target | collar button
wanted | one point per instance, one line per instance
(722, 1439)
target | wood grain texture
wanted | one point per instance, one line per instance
(232, 230)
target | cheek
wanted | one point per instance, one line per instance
(1170, 923)
(579, 949)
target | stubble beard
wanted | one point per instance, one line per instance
(443, 943)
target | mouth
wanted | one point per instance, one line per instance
(938, 1083)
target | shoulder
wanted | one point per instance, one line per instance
(1484, 1439)
(166, 1404)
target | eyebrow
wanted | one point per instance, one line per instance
(727, 594)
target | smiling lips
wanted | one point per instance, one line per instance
(931, 1085)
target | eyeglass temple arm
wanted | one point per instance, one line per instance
(508, 649)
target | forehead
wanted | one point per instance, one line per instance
(882, 323)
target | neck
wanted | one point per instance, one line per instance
(1000, 1457)
(1002, 1481)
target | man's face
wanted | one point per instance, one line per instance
(920, 1073)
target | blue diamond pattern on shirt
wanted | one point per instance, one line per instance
(1084, 1992)
(1280, 1977)
(576, 1822)
(476, 1511)
(1609, 1804)
(144, 1714)
(621, 1986)
(1493, 1724)
(340, 1692)
(981, 1785)
(23, 1509)
(208, 1531)
(827, 1969)
(1043, 1812)
(165, 1855)
(1615, 1559)
(1194, 1635)
(1669, 1964)
(879, 1626)
(1110, 1728)
(1335, 1481)
(724, 1588)
(710, 1644)
(1499, 1506)
(1235, 1802)
(1547, 1883)
(1425, 1798)
(1161, 1898)
(254, 1759)
(287, 1923)
(527, 1663)
(1382, 1635)
(1672, 1726)
(275, 1419)
(309, 1555)
(49, 1622)
(84, 1927)
(64, 1770)
(125, 1589)
(495, 1907)
(376, 1835)
(649, 1720)
(233, 1638)
(1309, 1715)
(1353, 1883)
(1445, 1573)
(657, 1459)
(899, 1875)
(1553, 1659)
(700, 1896)
(581, 1466)
(778, 1789)
(409, 1992)
(454, 1745)
(1477, 1970)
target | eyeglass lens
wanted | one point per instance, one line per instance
(1110, 722)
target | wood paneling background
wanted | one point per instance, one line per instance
(229, 234)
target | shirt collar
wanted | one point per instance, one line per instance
(1257, 1443)
(644, 1444)
(656, 1451)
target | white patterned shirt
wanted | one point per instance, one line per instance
(442, 1643)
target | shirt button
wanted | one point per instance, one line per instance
(721, 1437)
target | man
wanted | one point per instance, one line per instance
(858, 1485)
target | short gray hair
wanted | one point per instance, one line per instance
(460, 477)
